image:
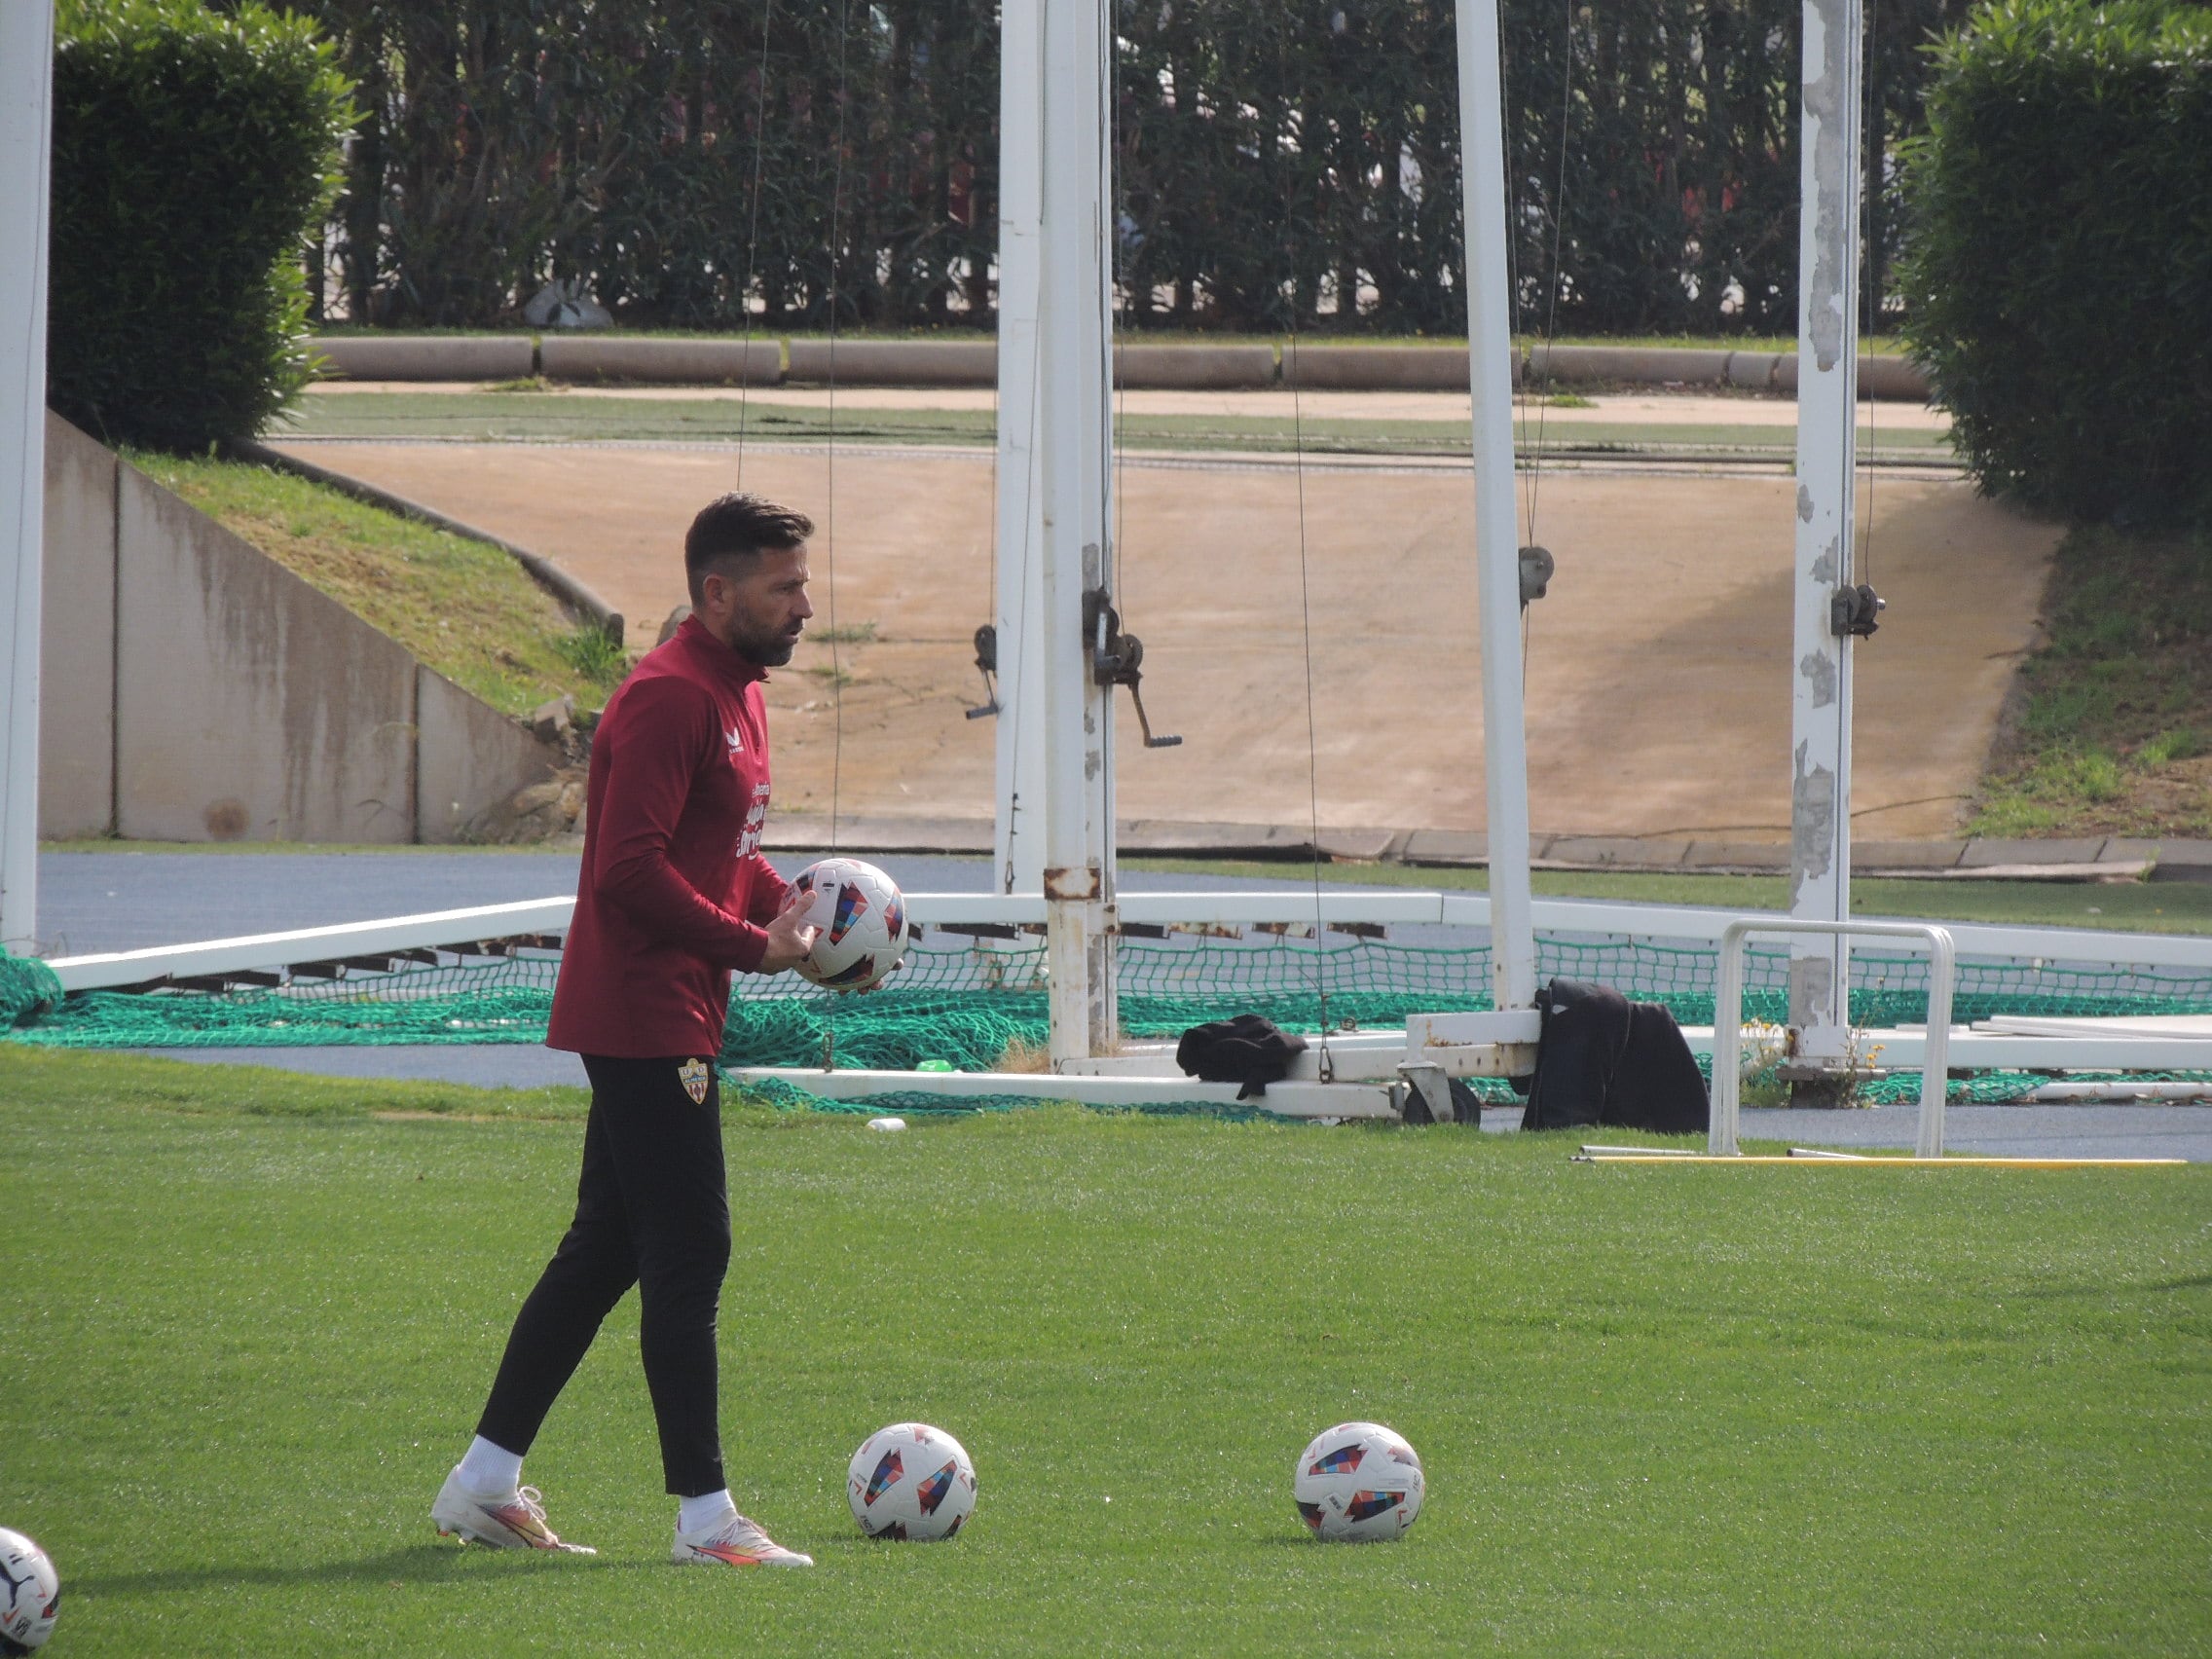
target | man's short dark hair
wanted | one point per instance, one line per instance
(739, 526)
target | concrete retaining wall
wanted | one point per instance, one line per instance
(76, 717)
(1886, 378)
(1194, 368)
(469, 761)
(248, 705)
(685, 363)
(1378, 368)
(239, 703)
(896, 362)
(708, 361)
(430, 357)
(1571, 366)
(1893, 379)
(1751, 370)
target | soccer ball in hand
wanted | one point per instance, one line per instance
(30, 1593)
(863, 921)
(910, 1481)
(1358, 1483)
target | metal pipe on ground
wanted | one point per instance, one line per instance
(2086, 1092)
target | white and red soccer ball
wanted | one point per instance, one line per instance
(1358, 1483)
(861, 920)
(30, 1593)
(910, 1481)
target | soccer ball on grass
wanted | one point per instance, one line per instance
(1358, 1483)
(30, 1593)
(861, 918)
(910, 1481)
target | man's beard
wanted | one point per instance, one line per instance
(767, 650)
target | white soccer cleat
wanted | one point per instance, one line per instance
(735, 1542)
(515, 1522)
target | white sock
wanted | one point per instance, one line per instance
(489, 1470)
(697, 1514)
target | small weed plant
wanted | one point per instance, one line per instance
(594, 653)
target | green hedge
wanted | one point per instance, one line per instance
(192, 154)
(1273, 160)
(2058, 263)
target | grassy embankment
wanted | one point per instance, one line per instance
(2112, 730)
(465, 608)
(1661, 1410)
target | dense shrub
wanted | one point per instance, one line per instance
(1277, 164)
(2059, 256)
(192, 153)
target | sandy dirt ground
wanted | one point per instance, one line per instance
(1658, 668)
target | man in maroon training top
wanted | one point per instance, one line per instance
(675, 894)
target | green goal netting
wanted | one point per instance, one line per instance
(971, 1003)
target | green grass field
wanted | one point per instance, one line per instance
(2130, 907)
(579, 416)
(1685, 1409)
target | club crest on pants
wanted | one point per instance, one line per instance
(692, 1073)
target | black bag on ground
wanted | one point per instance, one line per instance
(1246, 1049)
(1658, 1085)
(1602, 1060)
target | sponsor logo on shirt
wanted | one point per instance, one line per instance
(734, 737)
(748, 841)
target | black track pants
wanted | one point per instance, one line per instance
(652, 1210)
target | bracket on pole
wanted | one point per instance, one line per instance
(988, 661)
(1853, 609)
(1537, 567)
(1118, 658)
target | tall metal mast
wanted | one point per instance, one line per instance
(1075, 436)
(1497, 542)
(1827, 602)
(26, 79)
(1018, 621)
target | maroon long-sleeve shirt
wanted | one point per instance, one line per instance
(674, 890)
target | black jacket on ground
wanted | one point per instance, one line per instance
(1246, 1049)
(1603, 1059)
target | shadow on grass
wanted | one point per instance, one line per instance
(416, 1564)
(2105, 1288)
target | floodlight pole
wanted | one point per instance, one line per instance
(1018, 844)
(1074, 436)
(1497, 542)
(27, 80)
(1828, 440)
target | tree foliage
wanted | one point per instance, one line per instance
(192, 152)
(2059, 264)
(1277, 163)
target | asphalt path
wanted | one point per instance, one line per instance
(96, 902)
